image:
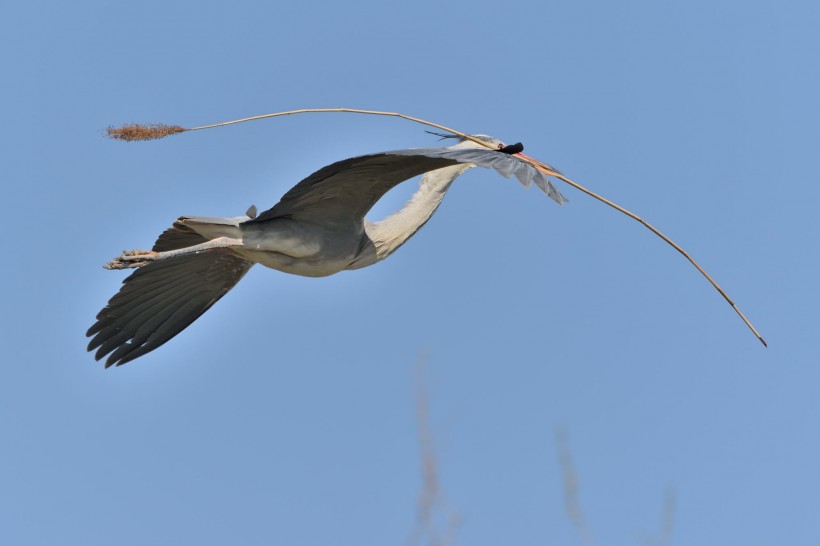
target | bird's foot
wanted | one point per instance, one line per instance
(131, 259)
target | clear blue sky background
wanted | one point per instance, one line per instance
(286, 414)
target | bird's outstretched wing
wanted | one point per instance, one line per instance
(507, 165)
(348, 189)
(161, 299)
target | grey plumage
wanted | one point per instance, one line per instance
(318, 228)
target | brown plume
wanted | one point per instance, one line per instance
(138, 131)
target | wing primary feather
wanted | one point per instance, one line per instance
(127, 328)
(161, 299)
(164, 331)
(134, 301)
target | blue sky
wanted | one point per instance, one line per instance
(286, 414)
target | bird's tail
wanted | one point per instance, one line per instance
(193, 230)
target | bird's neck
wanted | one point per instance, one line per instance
(392, 232)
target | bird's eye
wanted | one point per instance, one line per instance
(500, 145)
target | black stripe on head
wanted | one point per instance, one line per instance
(516, 148)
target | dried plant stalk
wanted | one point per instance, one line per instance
(572, 506)
(154, 131)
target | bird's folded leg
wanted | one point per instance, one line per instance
(138, 258)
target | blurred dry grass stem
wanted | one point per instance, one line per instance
(138, 131)
(571, 503)
(149, 132)
(432, 511)
(664, 536)
(573, 506)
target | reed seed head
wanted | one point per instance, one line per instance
(138, 131)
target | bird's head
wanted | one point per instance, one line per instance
(496, 144)
(461, 142)
(491, 143)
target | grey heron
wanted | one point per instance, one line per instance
(318, 228)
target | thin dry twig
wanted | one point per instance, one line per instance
(668, 517)
(432, 507)
(573, 506)
(571, 503)
(148, 132)
(664, 536)
(669, 241)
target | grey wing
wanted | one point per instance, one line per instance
(348, 189)
(506, 165)
(161, 299)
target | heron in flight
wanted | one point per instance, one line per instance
(318, 228)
